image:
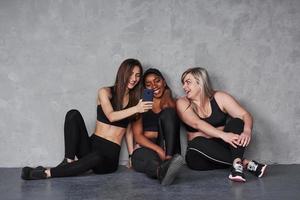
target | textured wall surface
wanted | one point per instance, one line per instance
(54, 55)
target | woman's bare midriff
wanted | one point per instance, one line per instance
(152, 135)
(110, 132)
(192, 135)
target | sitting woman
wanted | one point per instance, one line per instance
(156, 133)
(100, 152)
(214, 141)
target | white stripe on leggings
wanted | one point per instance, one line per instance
(209, 156)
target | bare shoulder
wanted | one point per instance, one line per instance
(104, 91)
(182, 102)
(221, 95)
(224, 100)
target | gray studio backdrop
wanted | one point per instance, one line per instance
(54, 55)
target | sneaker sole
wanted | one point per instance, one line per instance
(263, 169)
(173, 170)
(237, 178)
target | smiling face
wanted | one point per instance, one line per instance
(191, 87)
(156, 83)
(134, 77)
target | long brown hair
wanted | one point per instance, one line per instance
(121, 82)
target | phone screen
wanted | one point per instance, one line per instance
(148, 95)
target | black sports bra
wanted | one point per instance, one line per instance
(123, 123)
(216, 119)
(150, 121)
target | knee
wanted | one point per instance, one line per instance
(143, 158)
(135, 155)
(237, 121)
(168, 114)
(236, 125)
(144, 153)
(72, 113)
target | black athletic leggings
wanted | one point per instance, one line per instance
(207, 154)
(146, 160)
(96, 153)
(169, 131)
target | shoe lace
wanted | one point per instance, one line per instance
(252, 166)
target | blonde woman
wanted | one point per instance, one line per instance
(219, 128)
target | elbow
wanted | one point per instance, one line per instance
(250, 116)
(197, 126)
(111, 118)
(247, 115)
(138, 139)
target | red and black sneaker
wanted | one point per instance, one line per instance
(237, 173)
(256, 168)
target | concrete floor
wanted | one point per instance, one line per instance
(280, 182)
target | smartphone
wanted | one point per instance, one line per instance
(148, 95)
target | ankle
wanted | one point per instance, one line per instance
(69, 160)
(48, 173)
(245, 163)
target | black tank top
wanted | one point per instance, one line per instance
(102, 117)
(216, 119)
(150, 121)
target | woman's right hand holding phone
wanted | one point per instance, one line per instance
(144, 106)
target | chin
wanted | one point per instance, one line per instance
(159, 95)
(189, 96)
(130, 87)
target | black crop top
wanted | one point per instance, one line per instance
(150, 121)
(216, 119)
(123, 123)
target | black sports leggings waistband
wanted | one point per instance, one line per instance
(106, 147)
(101, 139)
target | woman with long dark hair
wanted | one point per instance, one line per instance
(99, 152)
(157, 133)
(219, 128)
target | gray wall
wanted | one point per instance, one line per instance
(54, 55)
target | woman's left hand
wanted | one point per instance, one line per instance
(244, 138)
